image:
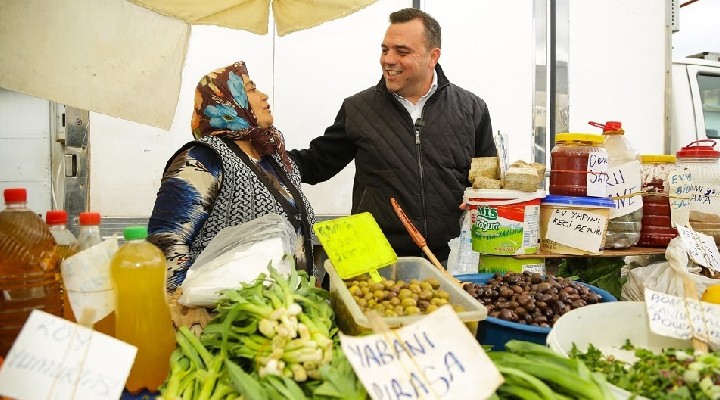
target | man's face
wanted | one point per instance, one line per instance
(407, 64)
(258, 103)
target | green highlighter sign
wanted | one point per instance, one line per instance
(355, 244)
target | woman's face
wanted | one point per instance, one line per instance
(258, 103)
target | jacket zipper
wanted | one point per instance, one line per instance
(419, 124)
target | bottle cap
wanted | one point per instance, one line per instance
(56, 217)
(14, 195)
(89, 218)
(135, 232)
(697, 150)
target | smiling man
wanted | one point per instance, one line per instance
(412, 136)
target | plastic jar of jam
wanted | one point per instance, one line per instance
(578, 165)
(657, 230)
(624, 184)
(702, 160)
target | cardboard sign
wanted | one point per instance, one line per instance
(680, 190)
(700, 247)
(683, 318)
(624, 180)
(433, 358)
(580, 229)
(55, 359)
(355, 244)
(597, 174)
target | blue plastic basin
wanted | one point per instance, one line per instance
(496, 332)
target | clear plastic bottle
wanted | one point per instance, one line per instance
(468, 259)
(67, 245)
(29, 275)
(624, 178)
(88, 236)
(142, 313)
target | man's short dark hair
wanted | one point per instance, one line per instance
(432, 28)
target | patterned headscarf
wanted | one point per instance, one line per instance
(222, 109)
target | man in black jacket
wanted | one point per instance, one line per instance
(413, 137)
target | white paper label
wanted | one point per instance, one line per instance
(683, 318)
(86, 277)
(55, 359)
(680, 193)
(597, 178)
(705, 199)
(700, 247)
(433, 358)
(624, 180)
(579, 229)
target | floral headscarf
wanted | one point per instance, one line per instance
(222, 109)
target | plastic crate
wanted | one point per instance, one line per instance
(496, 332)
(352, 321)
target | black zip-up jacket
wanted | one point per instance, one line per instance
(423, 164)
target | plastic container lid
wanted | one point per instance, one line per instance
(580, 137)
(135, 232)
(89, 218)
(695, 150)
(610, 127)
(658, 158)
(56, 217)
(578, 201)
(14, 195)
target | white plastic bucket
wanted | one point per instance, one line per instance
(504, 222)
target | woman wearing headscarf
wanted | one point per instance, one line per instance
(235, 171)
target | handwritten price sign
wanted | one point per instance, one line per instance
(582, 230)
(433, 358)
(700, 247)
(683, 318)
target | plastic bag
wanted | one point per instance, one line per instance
(667, 276)
(239, 254)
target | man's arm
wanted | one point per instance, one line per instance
(484, 143)
(327, 155)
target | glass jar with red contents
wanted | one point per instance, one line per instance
(702, 160)
(657, 230)
(578, 165)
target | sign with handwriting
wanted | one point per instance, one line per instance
(700, 247)
(624, 180)
(680, 190)
(56, 359)
(355, 244)
(596, 181)
(435, 357)
(672, 316)
(579, 229)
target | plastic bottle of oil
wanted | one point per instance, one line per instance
(67, 245)
(29, 274)
(142, 314)
(88, 236)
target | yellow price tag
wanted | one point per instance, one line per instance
(355, 244)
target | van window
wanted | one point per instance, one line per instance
(710, 96)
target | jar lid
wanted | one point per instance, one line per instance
(578, 201)
(695, 150)
(56, 217)
(89, 218)
(591, 138)
(658, 158)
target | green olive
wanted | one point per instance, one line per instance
(412, 310)
(408, 302)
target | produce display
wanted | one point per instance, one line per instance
(531, 299)
(393, 298)
(272, 338)
(671, 374)
(532, 371)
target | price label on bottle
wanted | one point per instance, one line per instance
(680, 189)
